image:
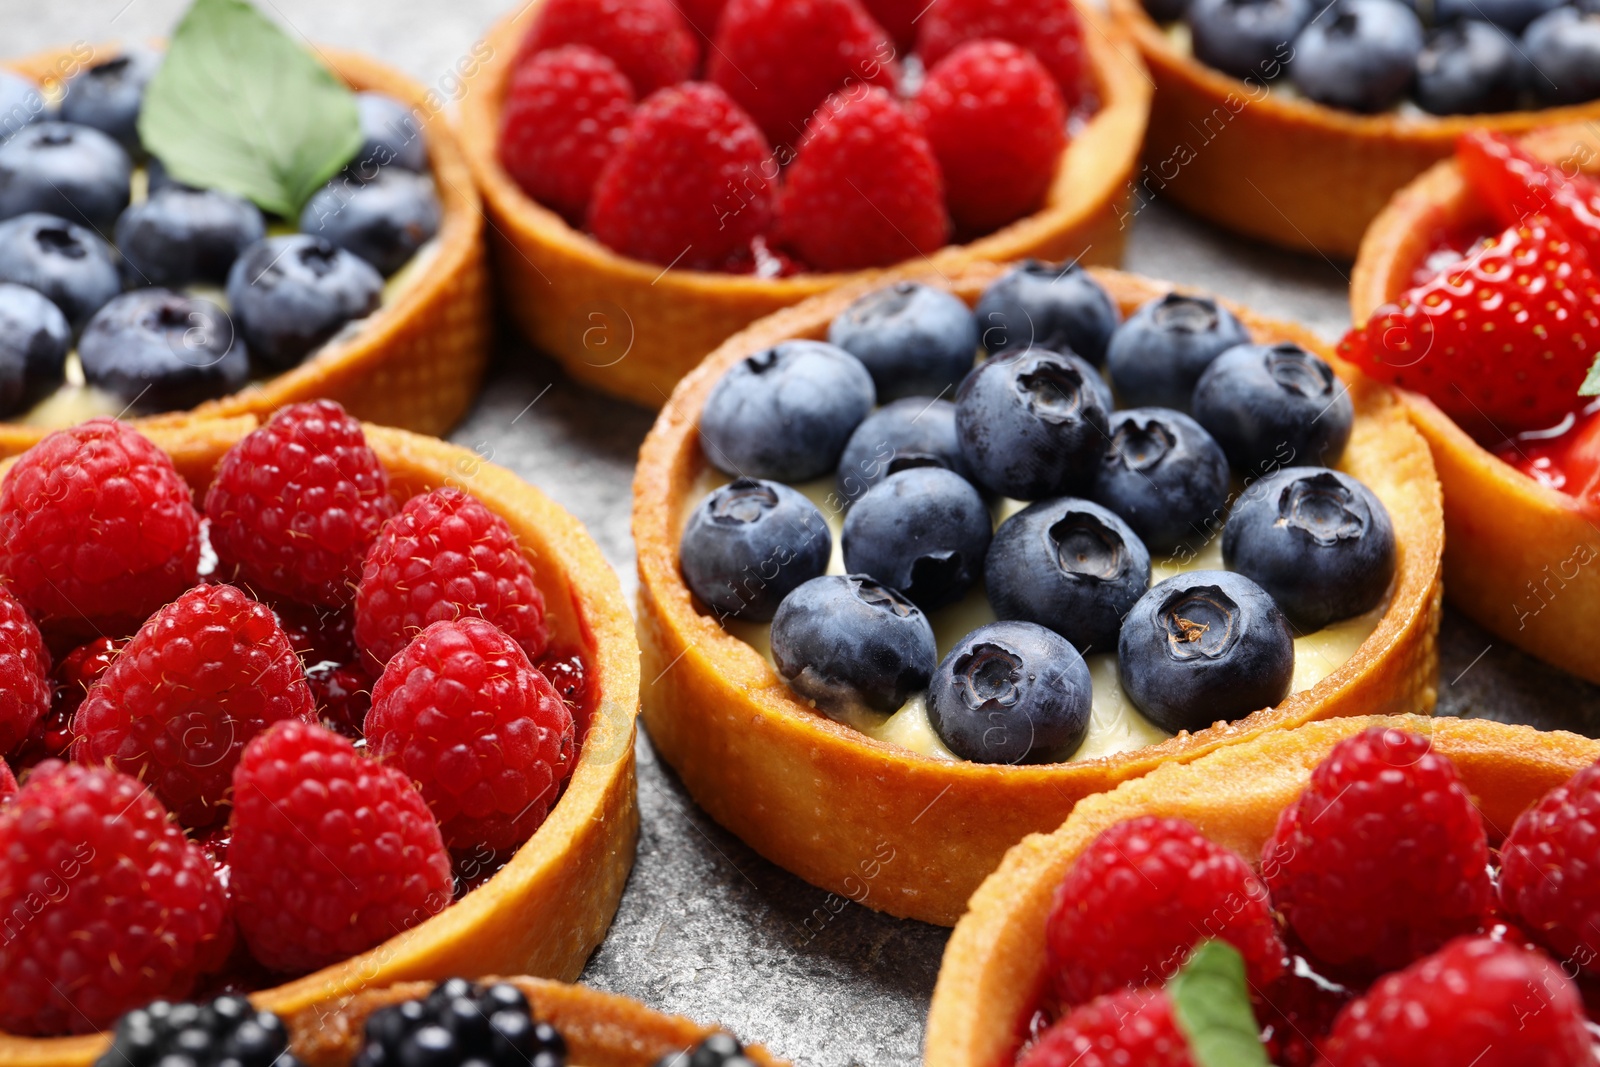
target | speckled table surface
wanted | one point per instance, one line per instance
(706, 927)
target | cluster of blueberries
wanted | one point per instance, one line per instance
(917, 480)
(66, 184)
(1454, 57)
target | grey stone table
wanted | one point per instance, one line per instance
(706, 927)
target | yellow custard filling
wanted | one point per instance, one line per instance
(1115, 725)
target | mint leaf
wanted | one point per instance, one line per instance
(1591, 383)
(1211, 1002)
(238, 105)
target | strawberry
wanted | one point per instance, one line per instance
(1516, 184)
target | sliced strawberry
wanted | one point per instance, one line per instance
(1516, 185)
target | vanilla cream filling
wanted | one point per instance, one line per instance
(1115, 725)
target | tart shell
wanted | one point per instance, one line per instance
(1298, 174)
(909, 834)
(1520, 558)
(549, 907)
(601, 1029)
(994, 964)
(417, 362)
(632, 329)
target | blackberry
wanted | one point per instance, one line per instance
(225, 1031)
(718, 1050)
(461, 1024)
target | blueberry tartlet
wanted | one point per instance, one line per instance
(275, 784)
(650, 199)
(1399, 890)
(333, 249)
(926, 629)
(1294, 121)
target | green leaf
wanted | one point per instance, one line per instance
(238, 105)
(1211, 1002)
(1591, 383)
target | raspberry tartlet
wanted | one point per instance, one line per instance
(594, 180)
(317, 819)
(1519, 514)
(835, 742)
(1329, 837)
(1268, 161)
(387, 258)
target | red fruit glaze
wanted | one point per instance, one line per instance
(8, 782)
(864, 190)
(691, 184)
(1050, 28)
(176, 708)
(899, 20)
(648, 40)
(1550, 871)
(51, 737)
(25, 686)
(296, 504)
(332, 852)
(1141, 896)
(108, 906)
(1129, 1028)
(997, 125)
(97, 530)
(484, 735)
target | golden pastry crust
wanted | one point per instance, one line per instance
(601, 1029)
(1520, 557)
(909, 834)
(1284, 169)
(417, 361)
(632, 329)
(550, 906)
(995, 960)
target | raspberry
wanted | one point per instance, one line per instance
(1476, 1001)
(97, 530)
(703, 15)
(864, 189)
(206, 674)
(1138, 899)
(566, 112)
(25, 687)
(332, 853)
(296, 504)
(485, 735)
(780, 59)
(997, 125)
(647, 39)
(1051, 29)
(1130, 1026)
(690, 185)
(1550, 870)
(899, 20)
(1382, 858)
(8, 782)
(107, 905)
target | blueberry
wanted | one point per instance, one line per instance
(108, 95)
(786, 412)
(21, 103)
(34, 341)
(180, 236)
(66, 262)
(1011, 692)
(1316, 539)
(1360, 55)
(1166, 10)
(1070, 565)
(290, 294)
(1157, 355)
(1165, 476)
(1513, 15)
(1469, 68)
(390, 137)
(384, 220)
(1247, 38)
(1047, 305)
(923, 531)
(1563, 48)
(162, 351)
(72, 171)
(748, 544)
(908, 433)
(914, 340)
(1202, 647)
(1272, 406)
(1032, 423)
(847, 642)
